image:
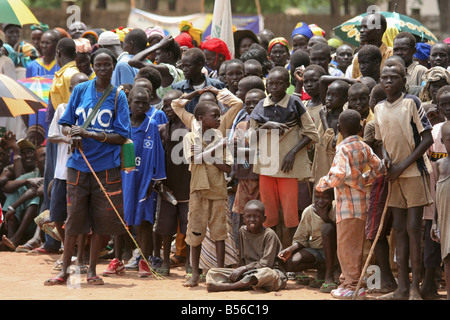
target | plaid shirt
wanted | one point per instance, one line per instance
(346, 176)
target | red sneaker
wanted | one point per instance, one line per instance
(115, 267)
(144, 270)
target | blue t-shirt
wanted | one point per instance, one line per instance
(124, 73)
(160, 117)
(37, 68)
(150, 166)
(101, 156)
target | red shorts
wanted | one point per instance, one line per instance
(279, 193)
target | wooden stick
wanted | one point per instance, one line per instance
(372, 248)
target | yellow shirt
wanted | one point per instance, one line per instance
(59, 91)
(386, 52)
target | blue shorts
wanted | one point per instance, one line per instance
(317, 253)
(58, 201)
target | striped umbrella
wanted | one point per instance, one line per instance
(39, 85)
(16, 12)
(16, 99)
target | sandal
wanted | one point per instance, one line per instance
(95, 280)
(163, 271)
(55, 281)
(302, 279)
(177, 261)
(315, 283)
(327, 287)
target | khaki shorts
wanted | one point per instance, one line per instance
(204, 213)
(410, 192)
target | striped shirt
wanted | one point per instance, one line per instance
(346, 176)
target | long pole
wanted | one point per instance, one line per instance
(372, 248)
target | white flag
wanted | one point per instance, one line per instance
(222, 24)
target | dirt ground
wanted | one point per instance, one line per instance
(22, 277)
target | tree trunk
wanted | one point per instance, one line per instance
(335, 8)
(444, 8)
(102, 4)
(151, 5)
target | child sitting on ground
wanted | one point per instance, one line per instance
(314, 243)
(346, 176)
(258, 265)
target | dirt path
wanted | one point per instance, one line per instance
(22, 276)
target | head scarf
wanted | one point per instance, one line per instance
(335, 42)
(92, 33)
(432, 75)
(302, 29)
(195, 33)
(155, 30)
(63, 33)
(39, 26)
(83, 45)
(218, 46)
(316, 30)
(121, 32)
(12, 54)
(279, 40)
(184, 40)
(26, 53)
(422, 51)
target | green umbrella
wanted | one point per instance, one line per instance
(16, 12)
(349, 30)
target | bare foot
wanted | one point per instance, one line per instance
(191, 282)
(414, 295)
(396, 295)
(216, 287)
(8, 243)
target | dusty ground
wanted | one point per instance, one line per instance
(22, 276)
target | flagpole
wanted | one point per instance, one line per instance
(258, 7)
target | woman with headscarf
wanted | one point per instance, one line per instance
(434, 79)
(216, 52)
(26, 53)
(278, 51)
(83, 57)
(37, 30)
(189, 36)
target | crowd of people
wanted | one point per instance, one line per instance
(248, 166)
